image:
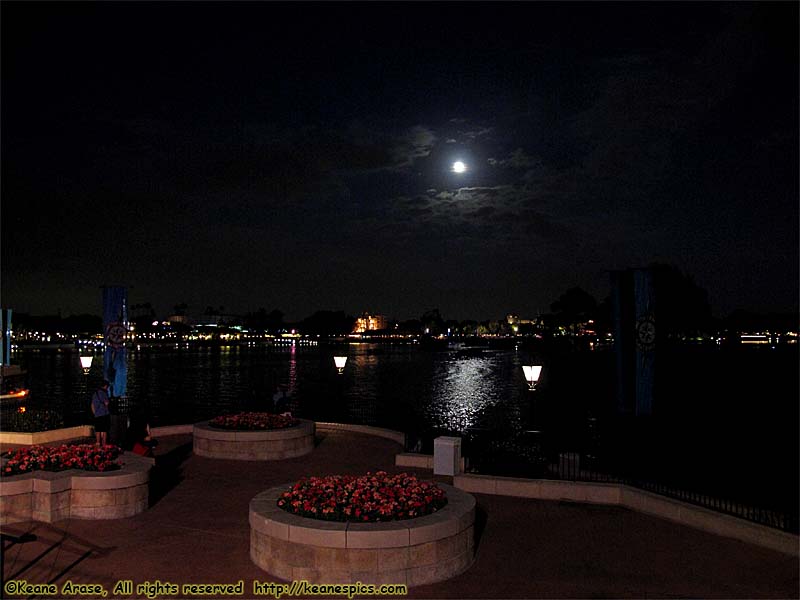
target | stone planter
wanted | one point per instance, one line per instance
(412, 552)
(51, 496)
(273, 444)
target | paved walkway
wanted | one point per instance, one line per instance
(197, 531)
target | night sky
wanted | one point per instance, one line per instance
(299, 156)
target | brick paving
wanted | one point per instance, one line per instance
(196, 531)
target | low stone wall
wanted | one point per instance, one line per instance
(414, 459)
(275, 444)
(635, 499)
(46, 437)
(52, 496)
(412, 552)
(419, 461)
(166, 430)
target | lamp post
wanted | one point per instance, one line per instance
(86, 363)
(77, 403)
(532, 373)
(340, 361)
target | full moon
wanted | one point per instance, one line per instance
(459, 167)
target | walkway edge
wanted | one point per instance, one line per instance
(635, 499)
(389, 434)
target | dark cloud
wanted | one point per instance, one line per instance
(413, 144)
(518, 159)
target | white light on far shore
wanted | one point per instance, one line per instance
(459, 167)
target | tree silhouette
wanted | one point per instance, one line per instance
(327, 322)
(682, 306)
(432, 322)
(573, 307)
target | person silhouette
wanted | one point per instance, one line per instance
(138, 438)
(102, 415)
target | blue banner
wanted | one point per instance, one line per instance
(644, 307)
(622, 310)
(115, 326)
(5, 327)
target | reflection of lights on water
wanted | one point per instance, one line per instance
(466, 390)
(292, 370)
(363, 385)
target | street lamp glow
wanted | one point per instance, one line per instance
(86, 363)
(459, 167)
(532, 374)
(340, 361)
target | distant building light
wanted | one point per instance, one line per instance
(755, 339)
(370, 322)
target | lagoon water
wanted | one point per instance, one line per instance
(749, 395)
(400, 386)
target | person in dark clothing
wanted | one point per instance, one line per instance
(102, 415)
(138, 438)
(280, 400)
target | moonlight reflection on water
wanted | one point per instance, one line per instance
(463, 389)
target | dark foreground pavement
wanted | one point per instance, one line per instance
(197, 531)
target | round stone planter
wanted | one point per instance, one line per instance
(412, 552)
(273, 444)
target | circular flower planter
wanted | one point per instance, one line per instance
(272, 444)
(412, 551)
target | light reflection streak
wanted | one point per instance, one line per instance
(364, 386)
(292, 371)
(462, 392)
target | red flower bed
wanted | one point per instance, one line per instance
(253, 421)
(368, 498)
(88, 457)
